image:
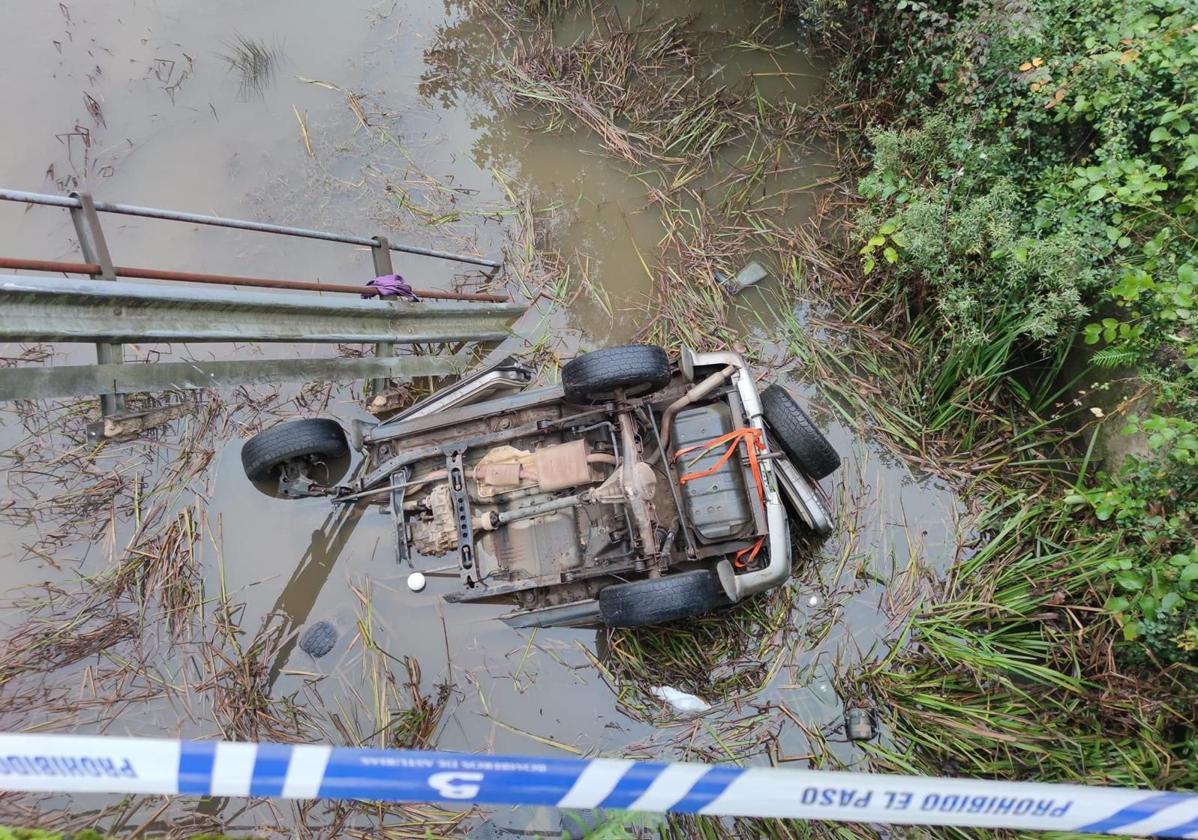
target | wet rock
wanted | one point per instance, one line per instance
(318, 639)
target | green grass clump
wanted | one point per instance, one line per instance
(998, 685)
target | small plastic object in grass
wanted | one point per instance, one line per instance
(859, 724)
(680, 701)
(750, 275)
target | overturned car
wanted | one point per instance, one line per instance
(637, 491)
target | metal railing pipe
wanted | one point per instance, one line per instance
(58, 266)
(238, 224)
(61, 309)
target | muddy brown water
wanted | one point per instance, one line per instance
(175, 125)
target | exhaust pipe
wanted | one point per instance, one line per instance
(738, 587)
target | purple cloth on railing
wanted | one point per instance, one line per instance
(391, 285)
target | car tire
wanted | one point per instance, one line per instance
(636, 369)
(661, 600)
(264, 453)
(797, 435)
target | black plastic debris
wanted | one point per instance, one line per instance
(318, 639)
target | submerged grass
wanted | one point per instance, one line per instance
(1013, 676)
(254, 61)
(129, 637)
(711, 157)
(722, 657)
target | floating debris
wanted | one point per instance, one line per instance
(680, 701)
(254, 62)
(750, 275)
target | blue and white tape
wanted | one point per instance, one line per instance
(76, 764)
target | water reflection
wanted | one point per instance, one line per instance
(300, 593)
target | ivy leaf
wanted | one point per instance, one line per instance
(1117, 604)
(1159, 134)
(1170, 601)
(1096, 192)
(890, 254)
(1189, 573)
(1130, 581)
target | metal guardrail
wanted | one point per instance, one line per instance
(92, 269)
(112, 313)
(60, 309)
(74, 202)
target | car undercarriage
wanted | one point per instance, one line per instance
(639, 490)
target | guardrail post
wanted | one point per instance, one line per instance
(95, 250)
(380, 252)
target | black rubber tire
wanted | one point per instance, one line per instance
(265, 452)
(661, 600)
(797, 435)
(638, 369)
(318, 639)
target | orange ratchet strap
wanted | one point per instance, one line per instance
(754, 442)
(740, 561)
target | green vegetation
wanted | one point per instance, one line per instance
(1054, 179)
(1032, 190)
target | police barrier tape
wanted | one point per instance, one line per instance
(101, 764)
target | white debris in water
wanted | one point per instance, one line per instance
(416, 581)
(813, 601)
(680, 701)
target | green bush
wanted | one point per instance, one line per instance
(1153, 503)
(1040, 179)
(958, 228)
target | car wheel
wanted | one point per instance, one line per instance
(660, 600)
(265, 453)
(797, 435)
(635, 369)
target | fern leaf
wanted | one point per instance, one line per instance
(1113, 357)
